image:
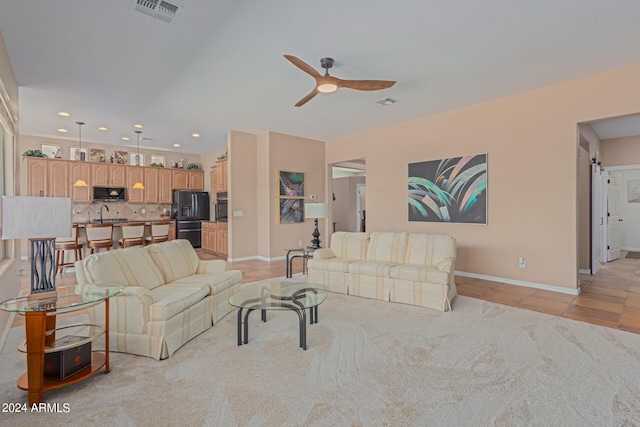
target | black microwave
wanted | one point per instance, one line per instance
(109, 194)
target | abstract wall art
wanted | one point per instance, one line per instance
(291, 197)
(449, 190)
(291, 184)
(291, 210)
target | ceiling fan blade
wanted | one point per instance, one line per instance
(307, 98)
(366, 84)
(303, 66)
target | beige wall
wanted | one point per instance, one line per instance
(243, 195)
(621, 151)
(254, 162)
(531, 144)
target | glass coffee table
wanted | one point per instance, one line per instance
(276, 295)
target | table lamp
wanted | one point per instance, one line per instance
(40, 220)
(315, 211)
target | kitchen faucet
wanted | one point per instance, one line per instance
(103, 206)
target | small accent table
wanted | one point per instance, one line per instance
(304, 253)
(40, 330)
(275, 295)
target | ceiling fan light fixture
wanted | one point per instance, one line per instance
(327, 88)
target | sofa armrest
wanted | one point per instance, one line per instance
(324, 253)
(211, 266)
(446, 265)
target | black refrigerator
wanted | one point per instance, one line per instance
(189, 209)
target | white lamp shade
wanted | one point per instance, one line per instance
(35, 217)
(315, 210)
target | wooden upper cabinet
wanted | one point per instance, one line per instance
(80, 170)
(196, 180)
(108, 175)
(48, 178)
(165, 185)
(221, 176)
(38, 176)
(118, 175)
(100, 174)
(135, 174)
(151, 194)
(180, 179)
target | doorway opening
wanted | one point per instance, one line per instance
(348, 196)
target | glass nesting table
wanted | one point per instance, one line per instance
(40, 330)
(277, 295)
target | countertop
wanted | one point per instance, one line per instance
(116, 222)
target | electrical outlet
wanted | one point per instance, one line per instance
(521, 262)
(143, 210)
(299, 242)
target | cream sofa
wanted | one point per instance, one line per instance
(413, 269)
(169, 296)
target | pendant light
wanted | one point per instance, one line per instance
(138, 185)
(80, 156)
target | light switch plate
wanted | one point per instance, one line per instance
(237, 213)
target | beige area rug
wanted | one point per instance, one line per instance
(368, 363)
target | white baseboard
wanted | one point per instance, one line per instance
(520, 283)
(245, 258)
(630, 249)
(266, 259)
(582, 271)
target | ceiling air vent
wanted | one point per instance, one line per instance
(158, 9)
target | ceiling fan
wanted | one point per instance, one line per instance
(328, 84)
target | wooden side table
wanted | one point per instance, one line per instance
(40, 331)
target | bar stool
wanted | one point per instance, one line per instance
(132, 234)
(99, 236)
(73, 243)
(159, 232)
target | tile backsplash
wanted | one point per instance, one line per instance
(84, 212)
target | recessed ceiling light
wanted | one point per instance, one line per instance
(138, 126)
(63, 114)
(102, 128)
(195, 135)
(63, 130)
(386, 101)
(125, 138)
(176, 145)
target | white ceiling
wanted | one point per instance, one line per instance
(220, 65)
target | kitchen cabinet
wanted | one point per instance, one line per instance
(188, 180)
(80, 170)
(221, 178)
(172, 230)
(151, 187)
(48, 178)
(165, 181)
(108, 175)
(135, 174)
(215, 237)
(180, 179)
(196, 180)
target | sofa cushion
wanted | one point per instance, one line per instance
(332, 264)
(371, 268)
(175, 259)
(389, 247)
(429, 249)
(349, 245)
(419, 273)
(217, 282)
(128, 267)
(171, 299)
